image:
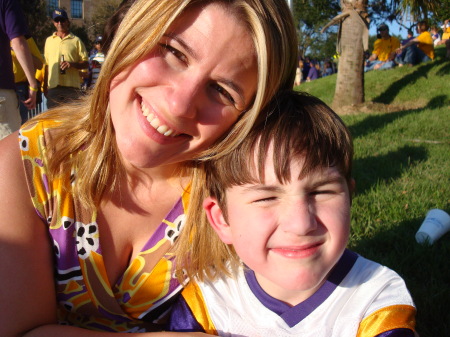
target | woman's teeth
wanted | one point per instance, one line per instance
(154, 121)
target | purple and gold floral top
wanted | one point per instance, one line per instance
(86, 298)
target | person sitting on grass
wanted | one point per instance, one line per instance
(384, 48)
(446, 37)
(435, 35)
(279, 205)
(417, 50)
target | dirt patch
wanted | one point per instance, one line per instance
(372, 108)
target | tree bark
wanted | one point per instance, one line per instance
(352, 41)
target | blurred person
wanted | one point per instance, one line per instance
(327, 69)
(435, 35)
(409, 36)
(313, 73)
(21, 81)
(384, 50)
(417, 50)
(65, 54)
(446, 30)
(306, 67)
(298, 73)
(13, 29)
(96, 60)
(446, 37)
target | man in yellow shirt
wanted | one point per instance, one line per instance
(384, 48)
(63, 75)
(419, 49)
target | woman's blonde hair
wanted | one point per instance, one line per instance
(87, 140)
(274, 35)
(298, 126)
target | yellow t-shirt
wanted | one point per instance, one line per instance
(384, 47)
(73, 50)
(446, 34)
(426, 44)
(19, 74)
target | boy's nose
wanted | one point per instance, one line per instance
(300, 218)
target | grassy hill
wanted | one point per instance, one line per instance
(402, 170)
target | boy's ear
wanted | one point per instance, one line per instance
(217, 220)
(351, 189)
(352, 186)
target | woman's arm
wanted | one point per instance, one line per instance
(23, 54)
(70, 331)
(409, 43)
(27, 292)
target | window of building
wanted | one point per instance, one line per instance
(52, 5)
(76, 7)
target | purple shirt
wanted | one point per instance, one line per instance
(12, 25)
(313, 74)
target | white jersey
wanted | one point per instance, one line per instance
(360, 298)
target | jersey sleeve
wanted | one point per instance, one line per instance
(190, 312)
(392, 321)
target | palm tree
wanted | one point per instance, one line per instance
(353, 40)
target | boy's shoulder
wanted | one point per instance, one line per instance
(240, 306)
(375, 285)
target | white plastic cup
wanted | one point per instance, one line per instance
(435, 225)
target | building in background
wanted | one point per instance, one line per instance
(79, 11)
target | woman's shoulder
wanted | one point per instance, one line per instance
(37, 135)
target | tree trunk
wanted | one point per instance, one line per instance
(350, 77)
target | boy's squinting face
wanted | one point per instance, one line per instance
(291, 235)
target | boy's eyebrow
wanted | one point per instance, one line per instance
(331, 178)
(262, 188)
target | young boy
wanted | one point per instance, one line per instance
(280, 205)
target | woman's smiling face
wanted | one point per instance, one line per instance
(179, 99)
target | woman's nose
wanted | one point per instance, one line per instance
(185, 97)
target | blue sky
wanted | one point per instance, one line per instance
(394, 29)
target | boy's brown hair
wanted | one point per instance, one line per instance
(297, 125)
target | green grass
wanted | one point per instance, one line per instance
(402, 169)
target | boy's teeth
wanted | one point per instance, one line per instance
(154, 121)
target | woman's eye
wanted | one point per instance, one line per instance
(179, 55)
(224, 93)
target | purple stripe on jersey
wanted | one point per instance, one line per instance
(184, 319)
(397, 333)
(293, 315)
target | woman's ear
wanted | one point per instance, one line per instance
(217, 220)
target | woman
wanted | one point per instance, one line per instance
(86, 246)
